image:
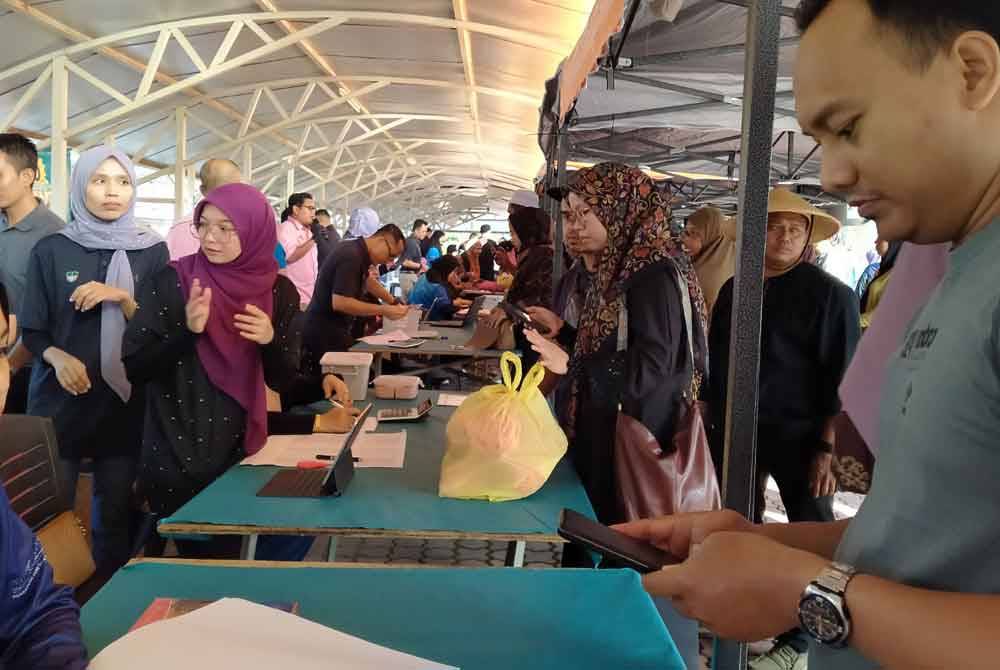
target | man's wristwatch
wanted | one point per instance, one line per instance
(823, 609)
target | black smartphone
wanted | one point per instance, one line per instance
(517, 315)
(636, 554)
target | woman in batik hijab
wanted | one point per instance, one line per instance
(630, 348)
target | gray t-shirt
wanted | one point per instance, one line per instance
(16, 244)
(932, 518)
(412, 251)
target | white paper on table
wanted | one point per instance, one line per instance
(286, 451)
(380, 450)
(385, 338)
(451, 400)
(234, 633)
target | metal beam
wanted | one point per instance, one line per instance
(640, 113)
(59, 179)
(701, 54)
(739, 464)
(74, 35)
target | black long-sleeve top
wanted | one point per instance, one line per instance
(95, 423)
(647, 380)
(193, 431)
(809, 333)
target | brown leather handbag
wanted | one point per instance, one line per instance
(651, 481)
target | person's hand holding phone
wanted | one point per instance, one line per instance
(553, 357)
(546, 322)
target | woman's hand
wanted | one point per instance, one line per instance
(337, 420)
(554, 358)
(254, 325)
(334, 388)
(93, 293)
(198, 308)
(547, 322)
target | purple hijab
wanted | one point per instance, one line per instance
(232, 363)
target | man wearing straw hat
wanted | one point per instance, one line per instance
(810, 330)
(811, 327)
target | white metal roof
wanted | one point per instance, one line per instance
(405, 103)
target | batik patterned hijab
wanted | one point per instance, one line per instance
(637, 220)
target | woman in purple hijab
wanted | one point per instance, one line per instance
(214, 330)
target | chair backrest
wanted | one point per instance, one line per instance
(28, 455)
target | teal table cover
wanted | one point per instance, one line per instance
(472, 618)
(387, 499)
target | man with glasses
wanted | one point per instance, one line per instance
(341, 287)
(296, 236)
(811, 327)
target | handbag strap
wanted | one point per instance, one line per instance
(688, 317)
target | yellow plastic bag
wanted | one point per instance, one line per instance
(502, 442)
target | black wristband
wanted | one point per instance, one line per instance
(824, 447)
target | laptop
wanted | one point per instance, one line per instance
(468, 319)
(332, 481)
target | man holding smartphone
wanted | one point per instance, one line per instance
(904, 96)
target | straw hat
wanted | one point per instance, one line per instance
(824, 225)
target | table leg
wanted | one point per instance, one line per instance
(515, 554)
(377, 364)
(331, 552)
(249, 548)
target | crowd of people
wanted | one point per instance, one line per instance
(124, 342)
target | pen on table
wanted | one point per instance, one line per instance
(329, 457)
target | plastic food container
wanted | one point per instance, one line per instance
(354, 368)
(397, 387)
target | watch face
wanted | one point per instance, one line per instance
(821, 619)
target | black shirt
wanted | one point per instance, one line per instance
(193, 432)
(327, 239)
(344, 273)
(810, 329)
(96, 423)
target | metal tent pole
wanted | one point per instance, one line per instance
(562, 154)
(760, 79)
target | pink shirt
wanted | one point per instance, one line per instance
(302, 272)
(181, 240)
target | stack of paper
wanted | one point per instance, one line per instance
(374, 450)
(385, 338)
(234, 633)
(380, 450)
(451, 400)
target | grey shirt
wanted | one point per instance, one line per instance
(932, 518)
(16, 243)
(411, 252)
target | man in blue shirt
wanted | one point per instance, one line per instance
(39, 621)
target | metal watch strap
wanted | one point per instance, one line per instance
(836, 577)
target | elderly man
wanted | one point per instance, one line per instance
(215, 172)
